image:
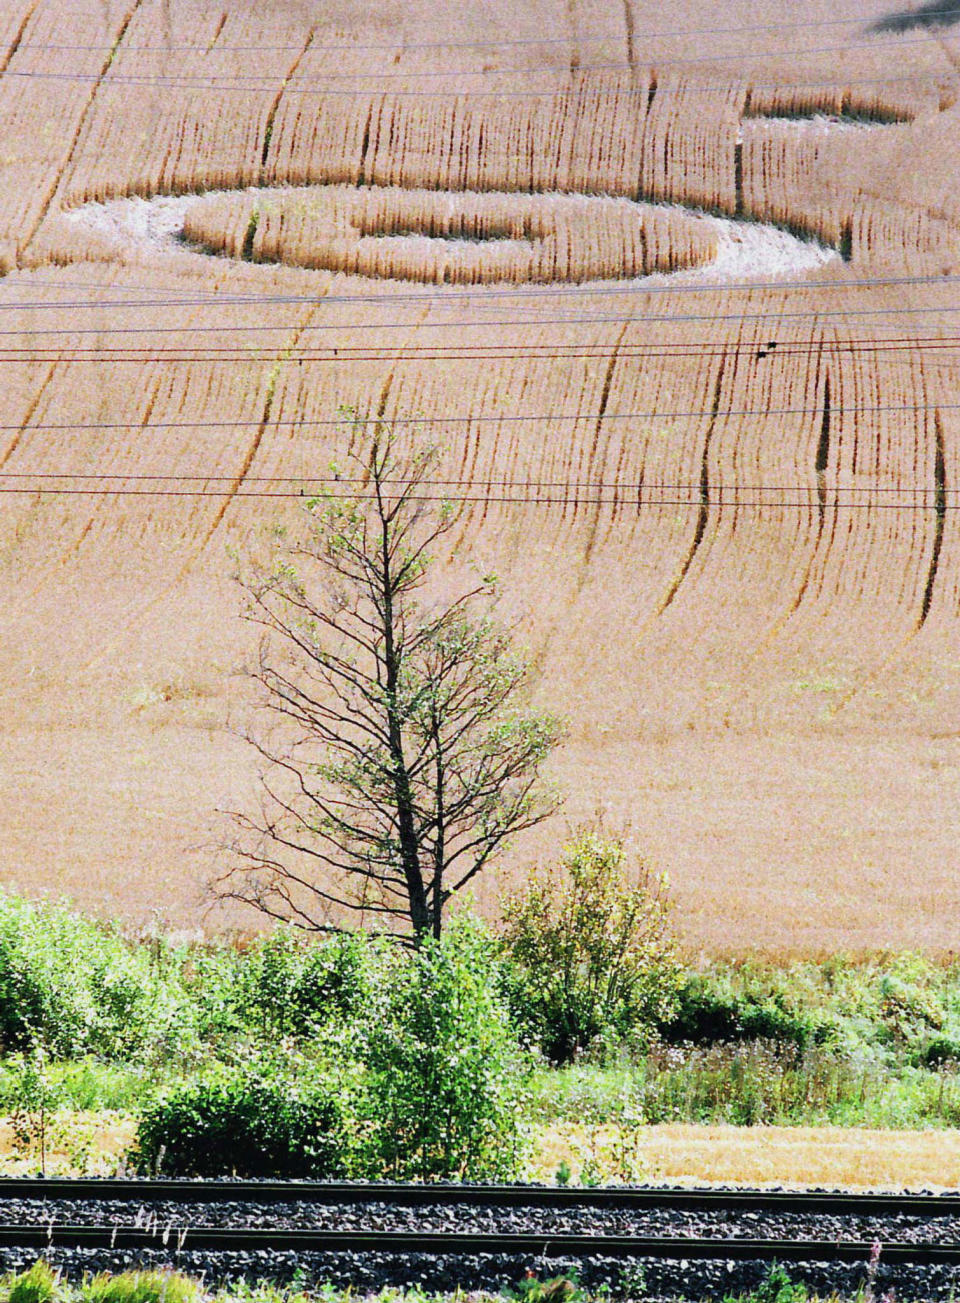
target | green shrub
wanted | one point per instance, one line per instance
(36, 1285)
(559, 1289)
(291, 987)
(443, 1063)
(704, 1013)
(247, 1125)
(707, 1012)
(592, 952)
(936, 1052)
(73, 987)
(140, 1287)
(908, 1009)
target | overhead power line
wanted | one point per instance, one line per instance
(489, 323)
(352, 483)
(875, 45)
(640, 497)
(450, 295)
(540, 418)
(516, 42)
(492, 352)
(270, 85)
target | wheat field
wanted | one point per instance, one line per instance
(676, 292)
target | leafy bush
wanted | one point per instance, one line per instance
(707, 1012)
(424, 1084)
(938, 1051)
(558, 1289)
(246, 1125)
(73, 987)
(592, 952)
(443, 1063)
(290, 987)
(704, 1013)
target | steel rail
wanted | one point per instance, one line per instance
(206, 1239)
(135, 1191)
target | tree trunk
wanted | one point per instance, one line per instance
(406, 825)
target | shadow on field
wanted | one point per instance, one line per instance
(938, 13)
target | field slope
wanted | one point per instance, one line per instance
(678, 294)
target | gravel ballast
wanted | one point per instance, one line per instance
(482, 1219)
(635, 1278)
(642, 1278)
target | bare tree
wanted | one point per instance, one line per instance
(401, 757)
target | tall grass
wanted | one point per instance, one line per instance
(755, 1083)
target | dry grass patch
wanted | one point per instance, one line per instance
(83, 1144)
(857, 1158)
(682, 1155)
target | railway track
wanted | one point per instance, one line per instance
(531, 1247)
(327, 1193)
(682, 1242)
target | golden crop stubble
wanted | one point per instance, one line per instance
(451, 238)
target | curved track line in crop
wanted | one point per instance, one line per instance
(872, 674)
(60, 177)
(272, 112)
(597, 431)
(28, 417)
(631, 36)
(703, 511)
(940, 499)
(745, 249)
(236, 484)
(18, 35)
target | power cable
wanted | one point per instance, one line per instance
(540, 418)
(812, 502)
(270, 85)
(456, 294)
(565, 71)
(481, 324)
(535, 41)
(492, 352)
(483, 481)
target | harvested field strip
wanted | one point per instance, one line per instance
(831, 1157)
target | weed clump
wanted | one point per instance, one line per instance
(140, 1287)
(36, 1285)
